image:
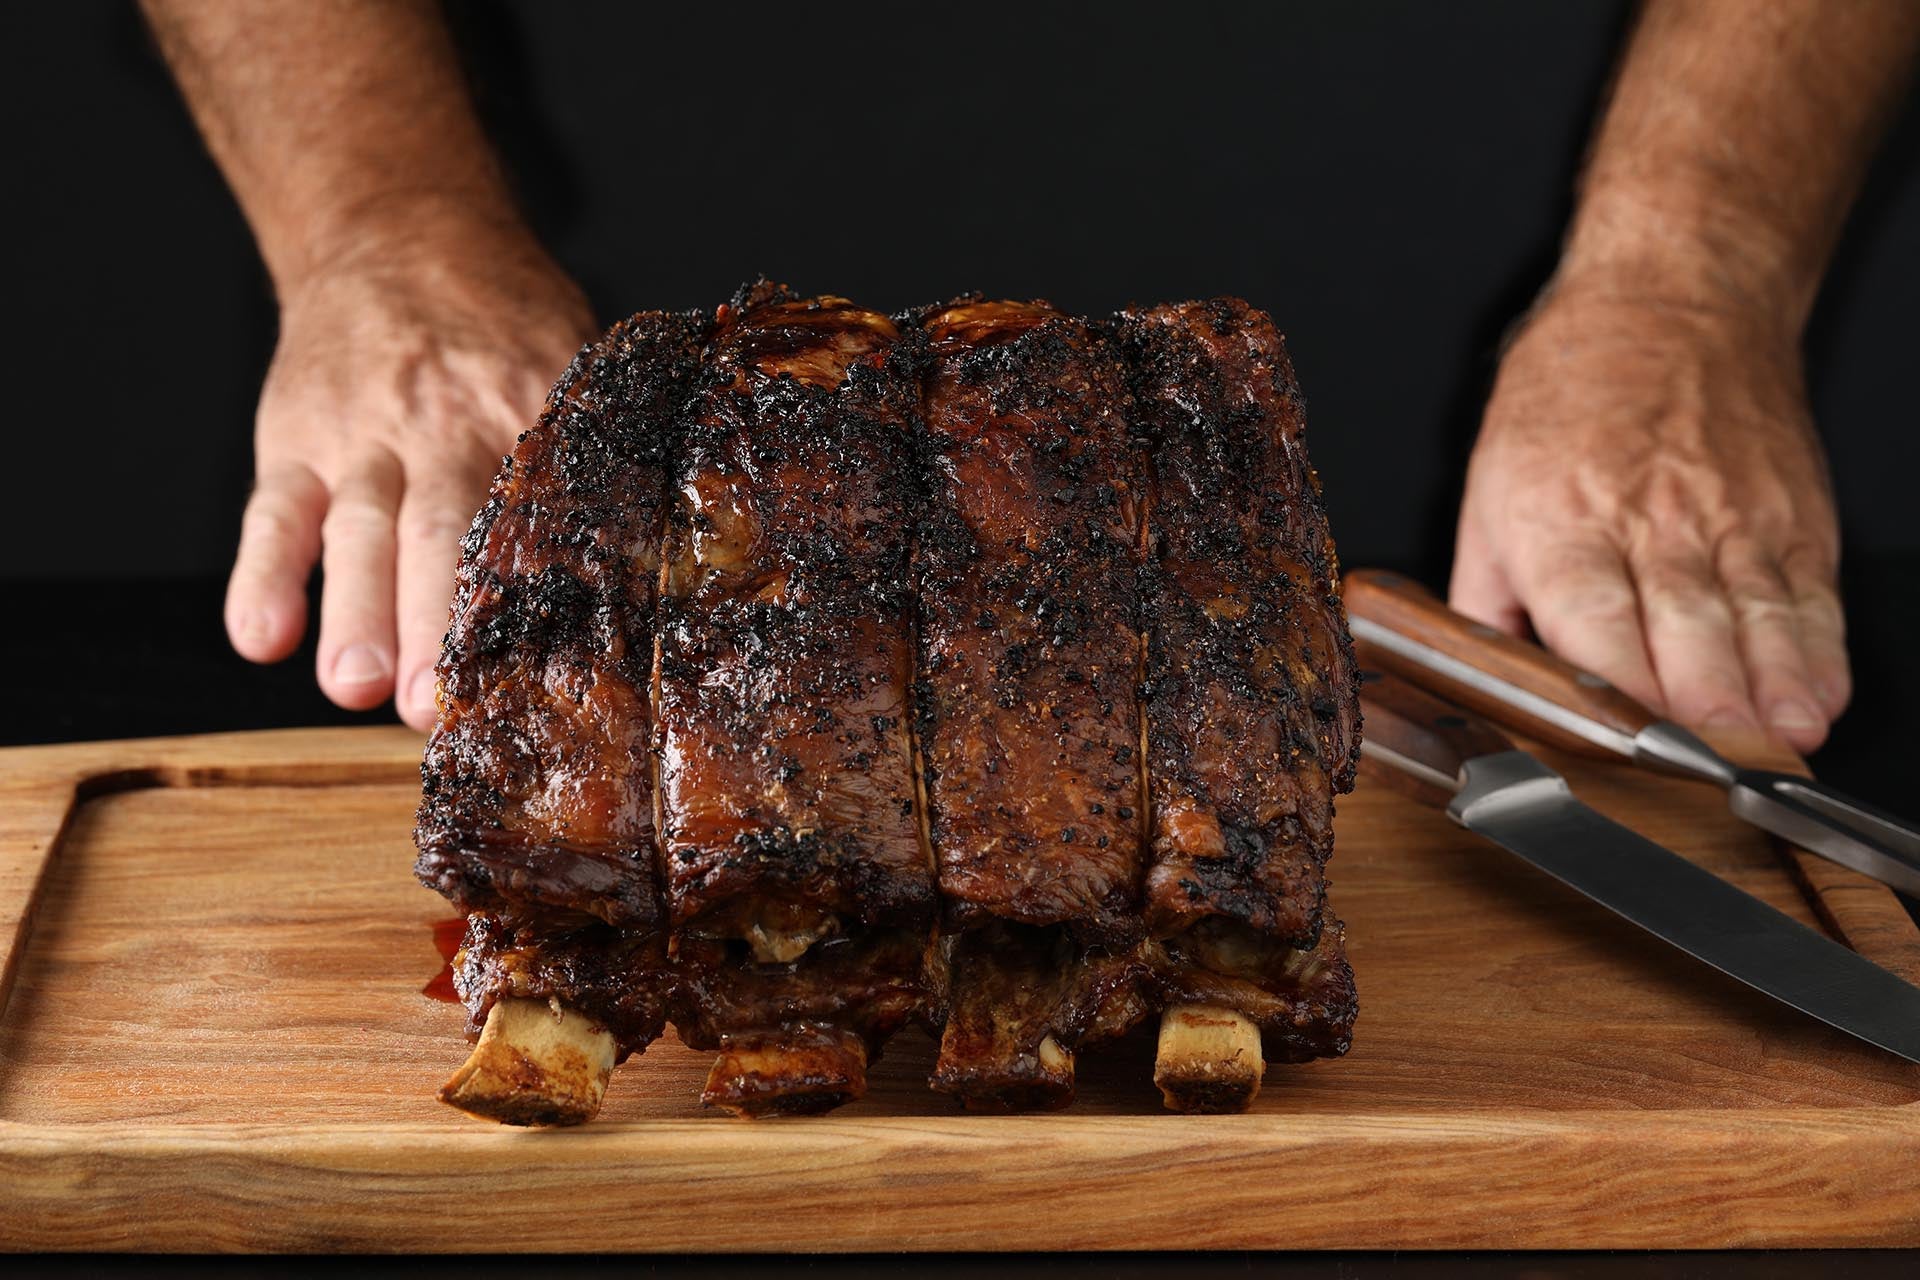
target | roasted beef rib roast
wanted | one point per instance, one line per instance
(813, 672)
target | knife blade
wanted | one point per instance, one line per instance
(1440, 754)
(1405, 629)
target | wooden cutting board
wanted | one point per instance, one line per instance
(217, 1040)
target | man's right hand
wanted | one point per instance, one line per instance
(405, 368)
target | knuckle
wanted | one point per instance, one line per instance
(1709, 694)
(1782, 684)
(1738, 553)
(434, 527)
(1679, 592)
(1713, 668)
(1821, 622)
(1580, 579)
(295, 408)
(356, 520)
(270, 518)
(1761, 606)
(1591, 599)
(1815, 559)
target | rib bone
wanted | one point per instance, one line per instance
(537, 1063)
(1209, 1059)
(1002, 1077)
(802, 1072)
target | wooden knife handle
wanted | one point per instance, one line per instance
(1416, 743)
(1521, 685)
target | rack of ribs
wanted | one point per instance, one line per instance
(537, 812)
(813, 672)
(798, 881)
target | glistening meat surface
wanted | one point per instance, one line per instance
(537, 782)
(786, 772)
(1029, 654)
(1251, 697)
(797, 876)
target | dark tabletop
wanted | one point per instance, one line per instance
(123, 659)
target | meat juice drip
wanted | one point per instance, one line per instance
(447, 937)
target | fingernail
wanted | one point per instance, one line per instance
(420, 691)
(361, 664)
(1725, 719)
(1792, 715)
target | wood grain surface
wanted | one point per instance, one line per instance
(216, 1039)
(1409, 726)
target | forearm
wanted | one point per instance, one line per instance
(335, 122)
(1735, 139)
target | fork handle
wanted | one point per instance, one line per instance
(1405, 629)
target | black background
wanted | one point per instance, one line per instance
(1389, 180)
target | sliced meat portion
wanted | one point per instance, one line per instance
(786, 768)
(1025, 575)
(537, 809)
(1251, 697)
(799, 882)
(1025, 578)
(537, 783)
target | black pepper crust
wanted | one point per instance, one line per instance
(1025, 581)
(785, 653)
(1251, 695)
(537, 781)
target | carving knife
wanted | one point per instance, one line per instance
(1443, 756)
(1409, 631)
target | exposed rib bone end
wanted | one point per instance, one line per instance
(1209, 1059)
(798, 1073)
(536, 1064)
(1003, 1079)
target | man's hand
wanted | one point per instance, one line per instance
(420, 322)
(1648, 492)
(404, 371)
